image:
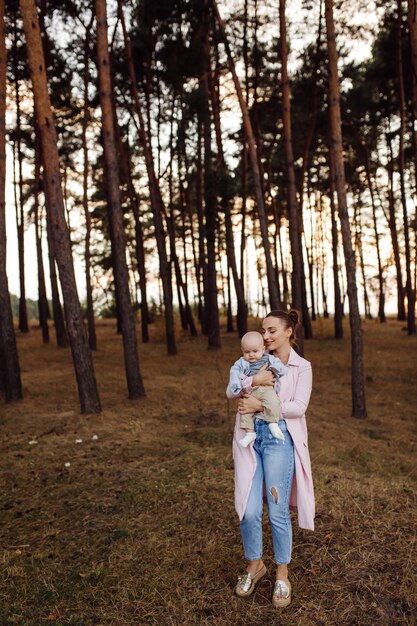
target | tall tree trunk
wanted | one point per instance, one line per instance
(306, 164)
(155, 194)
(58, 315)
(243, 211)
(338, 306)
(412, 29)
(401, 316)
(285, 287)
(195, 257)
(42, 299)
(411, 296)
(92, 338)
(293, 210)
(210, 200)
(20, 211)
(229, 326)
(87, 388)
(311, 257)
(123, 150)
(359, 251)
(188, 308)
(381, 302)
(358, 376)
(20, 221)
(121, 275)
(253, 157)
(313, 105)
(140, 246)
(184, 277)
(244, 149)
(242, 321)
(10, 381)
(170, 222)
(202, 265)
(59, 322)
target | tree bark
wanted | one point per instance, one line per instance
(202, 265)
(401, 315)
(170, 222)
(381, 302)
(183, 194)
(124, 150)
(242, 315)
(86, 382)
(312, 261)
(338, 306)
(42, 299)
(155, 194)
(59, 322)
(412, 29)
(359, 252)
(411, 296)
(92, 337)
(210, 200)
(295, 217)
(20, 210)
(274, 302)
(10, 369)
(358, 376)
(121, 275)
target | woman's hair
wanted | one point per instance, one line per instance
(290, 320)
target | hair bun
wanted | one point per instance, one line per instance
(294, 316)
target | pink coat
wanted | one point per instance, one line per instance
(294, 393)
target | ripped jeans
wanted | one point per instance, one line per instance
(275, 466)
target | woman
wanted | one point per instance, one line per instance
(281, 468)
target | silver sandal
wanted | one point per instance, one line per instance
(282, 593)
(246, 583)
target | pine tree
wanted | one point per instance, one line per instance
(133, 376)
(336, 154)
(81, 355)
(10, 381)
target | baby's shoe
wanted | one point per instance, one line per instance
(276, 431)
(247, 439)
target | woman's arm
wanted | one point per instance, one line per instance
(249, 404)
(298, 405)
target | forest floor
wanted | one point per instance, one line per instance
(140, 528)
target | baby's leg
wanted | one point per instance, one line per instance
(272, 409)
(246, 422)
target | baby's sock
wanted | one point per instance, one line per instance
(246, 440)
(276, 431)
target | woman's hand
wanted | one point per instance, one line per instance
(249, 404)
(264, 377)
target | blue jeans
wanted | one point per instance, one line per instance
(275, 467)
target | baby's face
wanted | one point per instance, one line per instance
(252, 351)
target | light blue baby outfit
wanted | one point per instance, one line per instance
(242, 368)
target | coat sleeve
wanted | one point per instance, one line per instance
(235, 380)
(298, 405)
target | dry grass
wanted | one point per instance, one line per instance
(140, 529)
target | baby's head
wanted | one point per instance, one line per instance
(252, 346)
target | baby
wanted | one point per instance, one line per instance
(254, 358)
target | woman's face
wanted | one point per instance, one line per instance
(276, 336)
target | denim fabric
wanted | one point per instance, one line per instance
(275, 466)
